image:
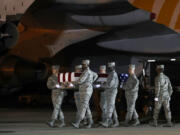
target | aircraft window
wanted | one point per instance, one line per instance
(0, 16)
(22, 4)
(14, 8)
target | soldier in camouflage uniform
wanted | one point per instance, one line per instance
(103, 95)
(85, 90)
(111, 91)
(163, 92)
(57, 97)
(78, 69)
(131, 88)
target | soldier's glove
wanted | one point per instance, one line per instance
(97, 85)
(156, 99)
(70, 85)
(58, 86)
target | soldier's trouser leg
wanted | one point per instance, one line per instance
(84, 98)
(89, 117)
(135, 114)
(115, 116)
(110, 101)
(167, 110)
(111, 97)
(157, 108)
(131, 103)
(77, 102)
(60, 100)
(88, 113)
(103, 105)
(55, 100)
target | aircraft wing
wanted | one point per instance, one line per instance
(167, 11)
(146, 38)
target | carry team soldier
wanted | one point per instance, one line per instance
(131, 88)
(111, 87)
(103, 105)
(57, 97)
(85, 83)
(78, 69)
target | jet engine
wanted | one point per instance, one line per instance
(8, 36)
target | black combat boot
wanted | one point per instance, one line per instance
(51, 123)
(62, 123)
(155, 123)
(116, 123)
(106, 123)
(168, 124)
(137, 122)
(90, 123)
(77, 123)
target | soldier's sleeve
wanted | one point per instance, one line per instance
(157, 87)
(117, 80)
(111, 81)
(82, 78)
(135, 84)
(125, 86)
(170, 87)
(95, 76)
(50, 83)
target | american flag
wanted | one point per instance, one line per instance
(72, 77)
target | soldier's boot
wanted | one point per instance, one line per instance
(116, 123)
(137, 122)
(103, 120)
(62, 124)
(90, 123)
(106, 123)
(51, 123)
(77, 123)
(85, 122)
(126, 123)
(155, 123)
(168, 124)
(110, 122)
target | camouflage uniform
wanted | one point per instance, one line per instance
(131, 88)
(111, 92)
(85, 91)
(110, 97)
(103, 105)
(57, 98)
(77, 102)
(163, 92)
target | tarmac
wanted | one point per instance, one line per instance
(33, 122)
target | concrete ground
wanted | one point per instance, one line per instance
(32, 122)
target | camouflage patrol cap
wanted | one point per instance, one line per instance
(111, 64)
(86, 62)
(160, 66)
(55, 67)
(132, 66)
(102, 67)
(78, 66)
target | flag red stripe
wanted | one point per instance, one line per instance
(103, 75)
(59, 77)
(69, 77)
(64, 77)
(77, 74)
